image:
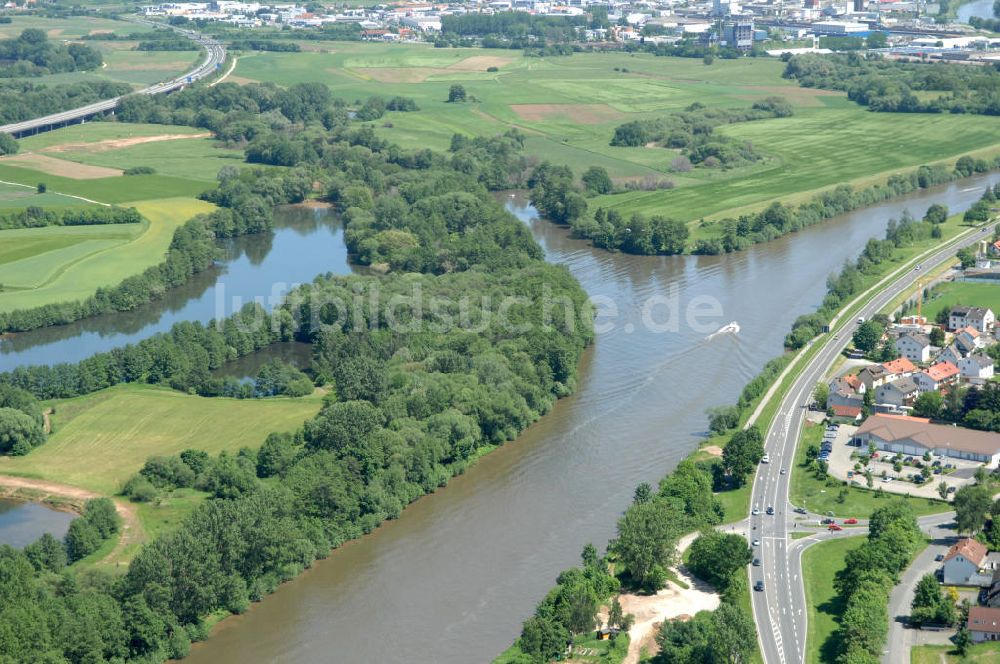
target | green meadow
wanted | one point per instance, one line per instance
(117, 429)
(968, 293)
(59, 264)
(568, 108)
(820, 564)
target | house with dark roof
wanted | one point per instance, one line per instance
(977, 368)
(916, 435)
(844, 392)
(969, 340)
(980, 318)
(914, 346)
(983, 624)
(899, 393)
(874, 375)
(950, 354)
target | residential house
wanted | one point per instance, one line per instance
(873, 376)
(899, 393)
(963, 562)
(846, 391)
(983, 624)
(969, 340)
(900, 367)
(991, 596)
(936, 376)
(916, 436)
(950, 354)
(980, 318)
(977, 369)
(914, 346)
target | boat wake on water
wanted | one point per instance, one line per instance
(729, 328)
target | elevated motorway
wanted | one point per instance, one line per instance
(215, 55)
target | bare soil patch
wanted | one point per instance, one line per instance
(100, 32)
(481, 62)
(579, 113)
(714, 450)
(61, 167)
(119, 143)
(41, 489)
(241, 80)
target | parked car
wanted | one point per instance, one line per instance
(951, 489)
(801, 510)
(759, 586)
(850, 522)
(887, 479)
(827, 521)
(939, 557)
(834, 526)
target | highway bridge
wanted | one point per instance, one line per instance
(215, 55)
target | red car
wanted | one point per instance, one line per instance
(834, 526)
(850, 522)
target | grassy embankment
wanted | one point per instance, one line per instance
(57, 264)
(820, 564)
(569, 106)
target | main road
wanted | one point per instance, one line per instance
(215, 55)
(780, 609)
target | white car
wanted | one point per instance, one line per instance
(765, 459)
(756, 511)
(756, 542)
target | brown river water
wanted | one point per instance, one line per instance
(452, 579)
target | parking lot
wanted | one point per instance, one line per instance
(841, 466)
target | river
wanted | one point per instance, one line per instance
(980, 8)
(452, 579)
(306, 242)
(22, 523)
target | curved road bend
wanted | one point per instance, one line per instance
(780, 610)
(215, 55)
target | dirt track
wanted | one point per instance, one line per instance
(119, 143)
(131, 530)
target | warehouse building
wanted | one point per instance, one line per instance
(916, 435)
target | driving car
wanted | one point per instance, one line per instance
(756, 511)
(756, 542)
(827, 521)
(756, 562)
(759, 586)
(834, 526)
(770, 510)
(850, 522)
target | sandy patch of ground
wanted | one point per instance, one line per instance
(41, 489)
(100, 32)
(54, 32)
(481, 62)
(119, 143)
(61, 167)
(241, 80)
(714, 450)
(578, 113)
(398, 74)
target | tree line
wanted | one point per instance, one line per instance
(891, 86)
(36, 217)
(32, 54)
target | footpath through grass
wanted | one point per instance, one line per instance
(101, 439)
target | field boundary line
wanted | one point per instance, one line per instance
(79, 198)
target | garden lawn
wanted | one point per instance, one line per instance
(60, 264)
(103, 438)
(984, 653)
(968, 293)
(820, 497)
(820, 564)
(568, 107)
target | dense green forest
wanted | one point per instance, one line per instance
(467, 338)
(890, 86)
(32, 54)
